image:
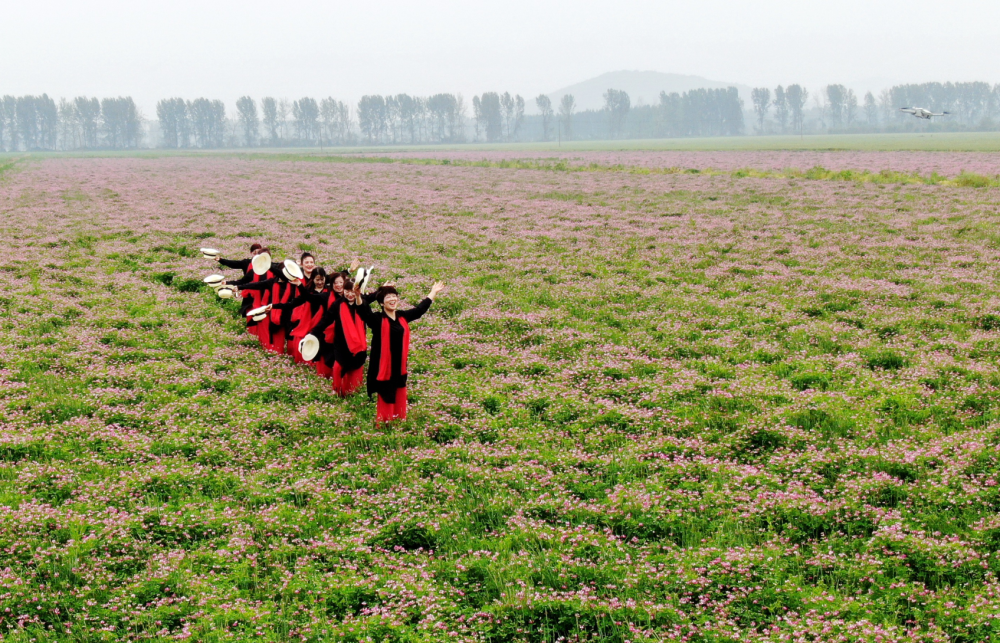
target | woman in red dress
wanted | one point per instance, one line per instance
(257, 298)
(344, 341)
(390, 349)
(280, 290)
(307, 309)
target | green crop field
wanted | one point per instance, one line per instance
(740, 404)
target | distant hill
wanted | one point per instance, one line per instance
(644, 85)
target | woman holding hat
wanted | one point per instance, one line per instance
(285, 287)
(241, 264)
(344, 345)
(306, 310)
(390, 349)
(261, 269)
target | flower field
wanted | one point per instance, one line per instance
(648, 407)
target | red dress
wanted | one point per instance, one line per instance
(387, 374)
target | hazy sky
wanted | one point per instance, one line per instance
(227, 48)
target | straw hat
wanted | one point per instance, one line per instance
(291, 270)
(226, 292)
(309, 347)
(261, 263)
(362, 276)
(258, 314)
(210, 253)
(215, 281)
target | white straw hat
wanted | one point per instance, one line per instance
(226, 292)
(261, 263)
(258, 314)
(309, 347)
(368, 276)
(214, 280)
(292, 270)
(210, 253)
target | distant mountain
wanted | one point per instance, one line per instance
(640, 85)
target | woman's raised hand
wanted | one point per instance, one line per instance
(355, 265)
(435, 289)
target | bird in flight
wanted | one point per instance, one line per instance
(920, 112)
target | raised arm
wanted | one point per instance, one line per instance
(242, 281)
(258, 285)
(365, 310)
(418, 311)
(239, 264)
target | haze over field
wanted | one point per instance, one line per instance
(228, 48)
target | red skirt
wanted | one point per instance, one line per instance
(385, 412)
(263, 332)
(345, 384)
(293, 346)
(277, 342)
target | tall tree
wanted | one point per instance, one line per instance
(518, 115)
(850, 107)
(781, 107)
(372, 117)
(69, 126)
(492, 114)
(166, 114)
(269, 113)
(88, 115)
(507, 107)
(761, 98)
(9, 115)
(544, 105)
(284, 110)
(246, 110)
(836, 95)
(456, 120)
(441, 107)
(871, 110)
(27, 122)
(797, 97)
(305, 111)
(478, 119)
(48, 122)
(409, 115)
(566, 106)
(617, 105)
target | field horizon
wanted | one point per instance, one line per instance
(885, 142)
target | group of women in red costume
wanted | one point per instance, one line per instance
(332, 308)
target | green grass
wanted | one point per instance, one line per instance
(924, 142)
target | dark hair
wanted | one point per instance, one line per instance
(265, 249)
(342, 274)
(348, 284)
(319, 271)
(254, 246)
(383, 291)
(304, 255)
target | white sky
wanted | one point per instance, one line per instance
(227, 48)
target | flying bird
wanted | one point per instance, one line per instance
(920, 112)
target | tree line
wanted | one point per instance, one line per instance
(40, 123)
(836, 108)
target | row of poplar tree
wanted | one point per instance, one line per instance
(39, 123)
(837, 108)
